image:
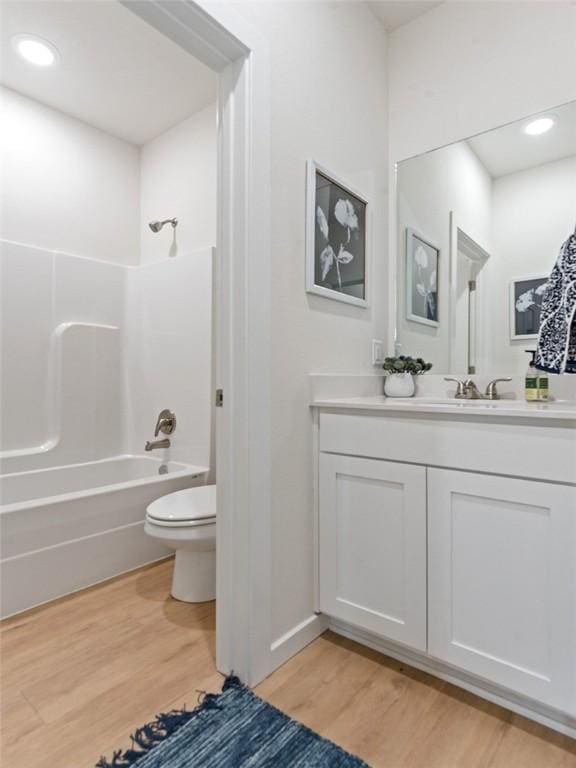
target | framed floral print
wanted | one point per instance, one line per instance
(337, 238)
(526, 294)
(422, 267)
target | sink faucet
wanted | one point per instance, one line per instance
(471, 391)
(491, 391)
(467, 390)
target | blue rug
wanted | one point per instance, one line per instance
(232, 729)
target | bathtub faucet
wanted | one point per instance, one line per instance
(150, 446)
(166, 423)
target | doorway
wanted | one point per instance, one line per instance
(105, 240)
(467, 262)
(222, 40)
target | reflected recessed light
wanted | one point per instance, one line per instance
(35, 50)
(538, 126)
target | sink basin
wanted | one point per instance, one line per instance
(502, 404)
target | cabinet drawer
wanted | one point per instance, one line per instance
(525, 449)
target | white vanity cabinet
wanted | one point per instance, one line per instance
(470, 574)
(373, 546)
(502, 581)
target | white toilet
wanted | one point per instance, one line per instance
(186, 521)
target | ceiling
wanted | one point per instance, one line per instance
(115, 72)
(395, 13)
(508, 149)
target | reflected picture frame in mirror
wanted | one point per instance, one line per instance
(422, 279)
(526, 295)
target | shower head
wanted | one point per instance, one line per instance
(156, 226)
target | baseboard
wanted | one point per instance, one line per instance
(297, 638)
(533, 710)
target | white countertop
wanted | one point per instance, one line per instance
(559, 409)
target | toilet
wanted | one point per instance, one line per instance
(186, 521)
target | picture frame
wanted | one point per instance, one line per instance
(526, 294)
(337, 238)
(422, 279)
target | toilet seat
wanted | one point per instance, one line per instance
(188, 508)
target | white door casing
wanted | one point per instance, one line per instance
(220, 38)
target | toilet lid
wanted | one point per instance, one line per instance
(187, 506)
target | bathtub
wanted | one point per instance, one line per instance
(65, 528)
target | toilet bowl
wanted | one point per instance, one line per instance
(186, 521)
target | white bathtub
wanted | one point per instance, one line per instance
(65, 528)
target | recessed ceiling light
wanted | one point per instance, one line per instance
(35, 50)
(538, 126)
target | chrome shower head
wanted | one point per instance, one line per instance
(156, 226)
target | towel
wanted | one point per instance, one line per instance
(556, 351)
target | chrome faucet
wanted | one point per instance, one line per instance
(150, 446)
(471, 391)
(467, 390)
(491, 391)
(166, 423)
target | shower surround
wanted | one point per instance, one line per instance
(91, 352)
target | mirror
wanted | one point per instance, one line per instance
(480, 225)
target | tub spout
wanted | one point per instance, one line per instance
(150, 446)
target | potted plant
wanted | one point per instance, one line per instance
(400, 372)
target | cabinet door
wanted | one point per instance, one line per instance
(373, 546)
(502, 582)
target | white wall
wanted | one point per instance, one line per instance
(328, 102)
(91, 352)
(66, 186)
(178, 179)
(61, 321)
(169, 310)
(467, 67)
(75, 191)
(534, 212)
(169, 354)
(430, 187)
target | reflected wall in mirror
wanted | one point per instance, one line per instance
(480, 225)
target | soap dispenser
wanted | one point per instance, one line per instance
(543, 386)
(531, 380)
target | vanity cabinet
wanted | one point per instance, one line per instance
(373, 546)
(473, 573)
(501, 589)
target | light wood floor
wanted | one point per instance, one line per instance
(80, 674)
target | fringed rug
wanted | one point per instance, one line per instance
(228, 730)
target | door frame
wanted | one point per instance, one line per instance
(460, 241)
(223, 40)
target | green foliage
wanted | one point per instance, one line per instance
(403, 364)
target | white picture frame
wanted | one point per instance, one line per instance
(422, 279)
(529, 318)
(337, 255)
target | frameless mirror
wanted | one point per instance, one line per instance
(480, 225)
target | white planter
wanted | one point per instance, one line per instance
(399, 385)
